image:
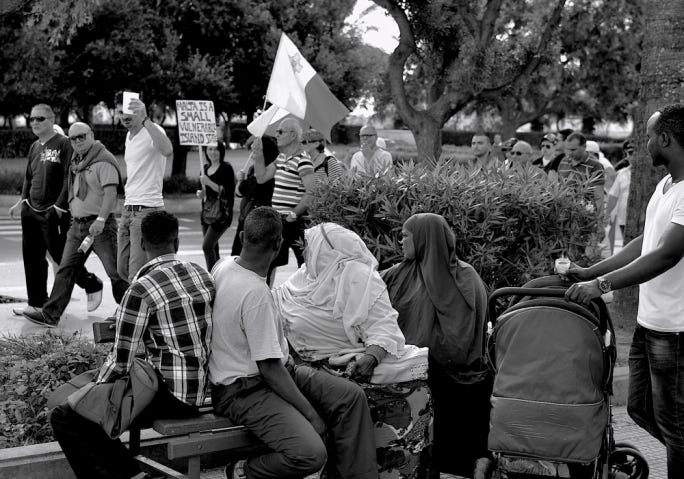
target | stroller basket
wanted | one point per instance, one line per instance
(553, 370)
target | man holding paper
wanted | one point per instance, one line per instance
(147, 148)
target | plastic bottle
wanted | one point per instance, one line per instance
(86, 244)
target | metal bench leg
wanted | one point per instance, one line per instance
(194, 467)
(134, 440)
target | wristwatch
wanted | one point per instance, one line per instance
(604, 285)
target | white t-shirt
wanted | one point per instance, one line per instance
(620, 190)
(145, 167)
(246, 324)
(661, 300)
(381, 161)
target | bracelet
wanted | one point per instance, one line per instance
(100, 218)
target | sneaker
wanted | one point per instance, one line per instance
(94, 300)
(40, 318)
(30, 309)
(235, 470)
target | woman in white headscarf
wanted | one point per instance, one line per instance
(336, 308)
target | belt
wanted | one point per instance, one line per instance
(136, 207)
(85, 219)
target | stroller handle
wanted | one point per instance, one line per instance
(513, 291)
(542, 292)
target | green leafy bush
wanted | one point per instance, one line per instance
(30, 369)
(510, 225)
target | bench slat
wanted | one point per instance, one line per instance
(205, 443)
(205, 422)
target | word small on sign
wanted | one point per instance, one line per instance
(196, 122)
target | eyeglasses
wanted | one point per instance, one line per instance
(77, 138)
(38, 119)
(367, 136)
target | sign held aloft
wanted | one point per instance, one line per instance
(196, 122)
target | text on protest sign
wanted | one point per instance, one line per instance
(196, 122)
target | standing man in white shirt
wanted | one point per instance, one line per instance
(655, 261)
(147, 148)
(371, 160)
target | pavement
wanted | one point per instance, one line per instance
(77, 320)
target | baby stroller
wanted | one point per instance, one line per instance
(551, 413)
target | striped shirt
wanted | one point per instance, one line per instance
(168, 309)
(289, 188)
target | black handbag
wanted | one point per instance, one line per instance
(215, 210)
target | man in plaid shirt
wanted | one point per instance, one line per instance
(167, 308)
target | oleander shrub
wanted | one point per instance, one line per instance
(510, 225)
(31, 367)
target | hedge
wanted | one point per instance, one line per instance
(30, 369)
(510, 225)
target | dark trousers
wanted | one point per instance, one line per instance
(92, 454)
(297, 450)
(656, 391)
(72, 263)
(461, 421)
(210, 243)
(42, 233)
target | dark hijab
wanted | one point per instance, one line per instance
(442, 301)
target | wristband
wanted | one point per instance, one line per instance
(100, 218)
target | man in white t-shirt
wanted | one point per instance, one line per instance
(655, 261)
(255, 383)
(147, 148)
(371, 160)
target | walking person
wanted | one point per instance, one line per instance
(147, 148)
(218, 196)
(92, 182)
(654, 261)
(44, 211)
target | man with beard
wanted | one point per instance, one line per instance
(654, 261)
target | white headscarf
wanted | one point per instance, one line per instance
(337, 302)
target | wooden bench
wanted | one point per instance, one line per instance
(187, 438)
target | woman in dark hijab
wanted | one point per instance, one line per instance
(442, 304)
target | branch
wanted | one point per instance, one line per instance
(398, 58)
(489, 22)
(534, 59)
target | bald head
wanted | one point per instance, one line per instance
(289, 133)
(81, 137)
(521, 151)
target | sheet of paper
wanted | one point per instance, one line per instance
(127, 97)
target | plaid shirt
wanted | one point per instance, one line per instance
(168, 309)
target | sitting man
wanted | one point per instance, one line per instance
(287, 407)
(336, 312)
(167, 309)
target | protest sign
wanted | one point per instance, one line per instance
(196, 122)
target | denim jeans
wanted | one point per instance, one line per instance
(45, 232)
(72, 263)
(656, 391)
(131, 257)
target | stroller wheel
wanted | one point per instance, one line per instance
(627, 463)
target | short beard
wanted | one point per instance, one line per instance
(659, 160)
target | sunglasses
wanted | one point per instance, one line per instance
(367, 136)
(517, 153)
(77, 138)
(280, 132)
(546, 145)
(38, 119)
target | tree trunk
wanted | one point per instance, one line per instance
(428, 139)
(661, 73)
(508, 127)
